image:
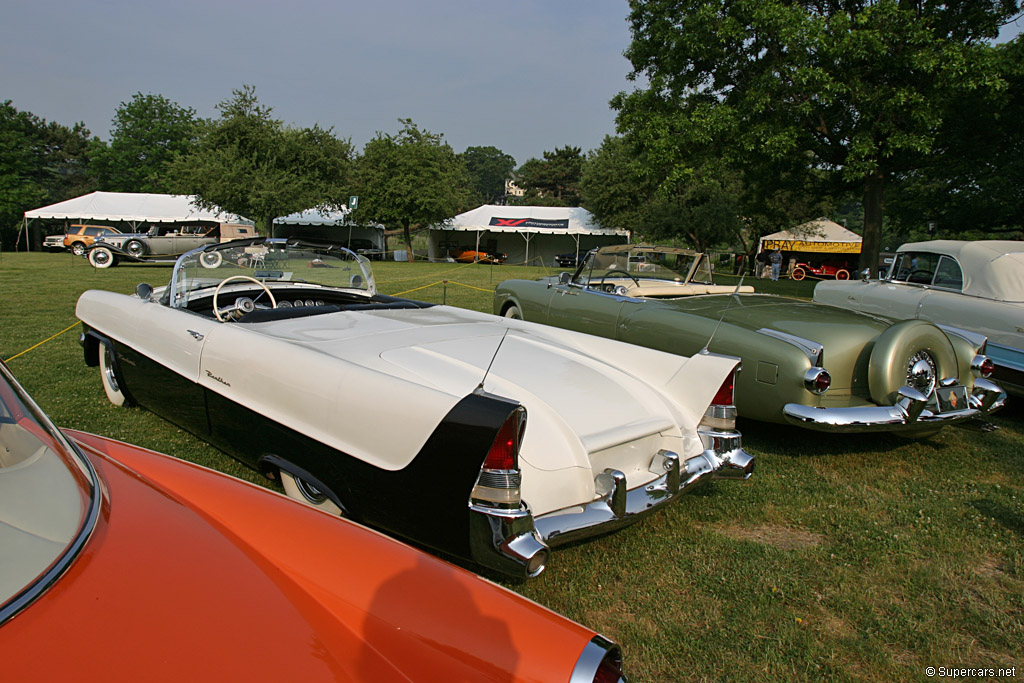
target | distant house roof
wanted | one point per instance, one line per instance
(133, 207)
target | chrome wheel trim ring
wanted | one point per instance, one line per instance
(108, 368)
(309, 492)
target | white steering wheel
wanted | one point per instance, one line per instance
(216, 292)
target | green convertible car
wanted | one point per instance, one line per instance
(817, 366)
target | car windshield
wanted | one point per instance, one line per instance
(270, 260)
(673, 265)
(48, 499)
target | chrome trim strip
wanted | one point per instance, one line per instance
(590, 660)
(973, 338)
(812, 349)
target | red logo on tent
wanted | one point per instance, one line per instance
(509, 222)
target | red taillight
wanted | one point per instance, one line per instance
(505, 449)
(987, 367)
(498, 484)
(822, 382)
(725, 392)
(817, 381)
(609, 671)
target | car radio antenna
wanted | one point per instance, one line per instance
(480, 387)
(735, 296)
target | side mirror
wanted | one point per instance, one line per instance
(564, 278)
(143, 291)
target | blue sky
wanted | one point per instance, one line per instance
(526, 76)
(523, 76)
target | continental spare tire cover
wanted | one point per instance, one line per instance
(911, 352)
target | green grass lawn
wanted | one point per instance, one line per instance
(863, 557)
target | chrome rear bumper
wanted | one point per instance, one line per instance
(909, 414)
(723, 458)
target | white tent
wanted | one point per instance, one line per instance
(131, 208)
(328, 225)
(817, 236)
(524, 233)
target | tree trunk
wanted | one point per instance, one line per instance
(874, 205)
(408, 239)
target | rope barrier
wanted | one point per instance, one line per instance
(409, 291)
(481, 289)
(44, 341)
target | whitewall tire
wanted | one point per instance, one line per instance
(101, 257)
(112, 385)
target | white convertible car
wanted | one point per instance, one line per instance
(976, 286)
(486, 438)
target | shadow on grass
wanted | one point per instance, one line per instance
(1010, 519)
(793, 441)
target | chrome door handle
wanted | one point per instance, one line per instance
(195, 335)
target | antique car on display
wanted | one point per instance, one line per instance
(127, 565)
(486, 438)
(161, 242)
(78, 238)
(977, 286)
(816, 366)
(837, 271)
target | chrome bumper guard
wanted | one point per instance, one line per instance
(507, 541)
(723, 458)
(910, 412)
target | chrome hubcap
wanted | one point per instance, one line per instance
(309, 492)
(921, 372)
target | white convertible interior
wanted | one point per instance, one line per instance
(41, 507)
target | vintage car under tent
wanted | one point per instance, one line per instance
(524, 234)
(333, 226)
(820, 244)
(127, 211)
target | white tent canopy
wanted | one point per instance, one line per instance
(132, 207)
(820, 236)
(330, 225)
(549, 230)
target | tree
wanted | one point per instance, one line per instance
(553, 181)
(487, 169)
(858, 89)
(972, 183)
(412, 178)
(711, 205)
(40, 163)
(146, 134)
(251, 164)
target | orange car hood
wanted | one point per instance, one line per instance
(191, 576)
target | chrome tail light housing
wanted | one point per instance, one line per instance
(721, 414)
(817, 380)
(499, 483)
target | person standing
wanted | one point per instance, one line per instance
(776, 260)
